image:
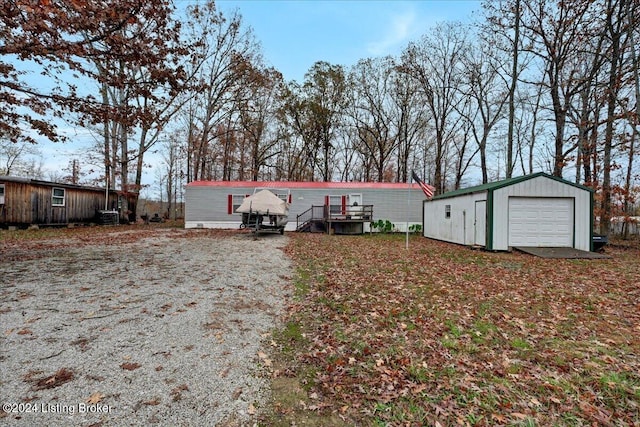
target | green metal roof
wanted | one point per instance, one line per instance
(505, 183)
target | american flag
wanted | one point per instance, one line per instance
(428, 189)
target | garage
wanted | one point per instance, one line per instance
(541, 222)
(537, 210)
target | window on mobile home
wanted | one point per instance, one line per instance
(335, 205)
(285, 197)
(57, 197)
(237, 201)
(447, 211)
(1, 194)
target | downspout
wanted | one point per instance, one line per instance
(106, 196)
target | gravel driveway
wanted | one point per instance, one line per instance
(163, 327)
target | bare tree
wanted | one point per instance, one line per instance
(410, 121)
(633, 114)
(257, 101)
(370, 111)
(313, 111)
(435, 62)
(527, 129)
(487, 93)
(15, 157)
(617, 34)
(557, 31)
(226, 45)
(172, 173)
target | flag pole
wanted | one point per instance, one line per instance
(406, 245)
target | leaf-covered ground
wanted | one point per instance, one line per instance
(444, 335)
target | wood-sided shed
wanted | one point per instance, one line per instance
(25, 201)
(537, 210)
(213, 204)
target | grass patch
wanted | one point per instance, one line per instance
(384, 336)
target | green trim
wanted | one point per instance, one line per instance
(575, 215)
(591, 222)
(505, 183)
(489, 231)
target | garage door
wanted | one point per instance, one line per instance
(540, 222)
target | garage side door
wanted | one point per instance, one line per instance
(540, 222)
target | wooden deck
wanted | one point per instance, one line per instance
(348, 220)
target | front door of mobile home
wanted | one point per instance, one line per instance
(354, 198)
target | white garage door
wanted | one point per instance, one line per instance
(540, 222)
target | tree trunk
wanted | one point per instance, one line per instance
(437, 178)
(108, 179)
(613, 29)
(512, 94)
(560, 119)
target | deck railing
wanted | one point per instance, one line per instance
(360, 213)
(314, 213)
(352, 213)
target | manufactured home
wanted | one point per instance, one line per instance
(25, 201)
(536, 210)
(338, 207)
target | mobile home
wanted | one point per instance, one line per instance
(536, 210)
(347, 207)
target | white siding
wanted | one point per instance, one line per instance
(207, 206)
(541, 186)
(459, 227)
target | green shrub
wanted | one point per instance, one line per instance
(383, 226)
(415, 228)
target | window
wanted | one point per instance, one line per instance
(336, 205)
(234, 202)
(284, 197)
(447, 211)
(57, 198)
(1, 194)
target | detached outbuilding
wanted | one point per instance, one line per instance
(25, 201)
(536, 210)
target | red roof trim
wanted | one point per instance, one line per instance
(298, 184)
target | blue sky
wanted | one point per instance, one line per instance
(294, 34)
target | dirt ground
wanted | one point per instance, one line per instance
(137, 326)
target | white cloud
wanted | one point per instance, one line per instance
(399, 30)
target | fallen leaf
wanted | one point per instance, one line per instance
(61, 376)
(130, 366)
(95, 398)
(236, 393)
